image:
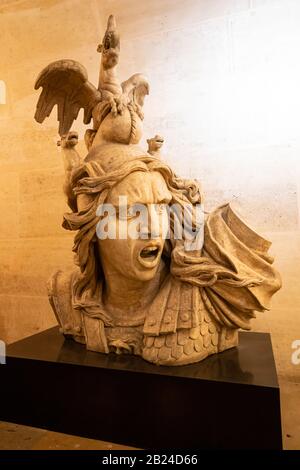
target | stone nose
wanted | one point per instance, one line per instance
(155, 222)
(151, 223)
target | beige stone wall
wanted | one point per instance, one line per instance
(224, 78)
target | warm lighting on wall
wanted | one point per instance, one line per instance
(2, 92)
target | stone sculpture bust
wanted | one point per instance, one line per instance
(151, 295)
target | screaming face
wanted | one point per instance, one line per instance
(137, 255)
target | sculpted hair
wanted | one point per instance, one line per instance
(91, 180)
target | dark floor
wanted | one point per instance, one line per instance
(17, 437)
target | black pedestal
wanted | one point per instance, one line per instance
(230, 400)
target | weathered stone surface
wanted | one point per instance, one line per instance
(139, 289)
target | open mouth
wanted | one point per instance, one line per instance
(149, 255)
(159, 141)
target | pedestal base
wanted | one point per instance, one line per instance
(228, 401)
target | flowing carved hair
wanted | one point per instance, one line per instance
(90, 179)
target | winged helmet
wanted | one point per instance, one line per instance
(65, 84)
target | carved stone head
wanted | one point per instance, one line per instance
(146, 288)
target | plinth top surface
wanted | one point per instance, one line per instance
(251, 363)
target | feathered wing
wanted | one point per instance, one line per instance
(136, 88)
(65, 83)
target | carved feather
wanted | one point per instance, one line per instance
(65, 84)
(136, 88)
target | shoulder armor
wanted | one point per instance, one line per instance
(189, 345)
(60, 297)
